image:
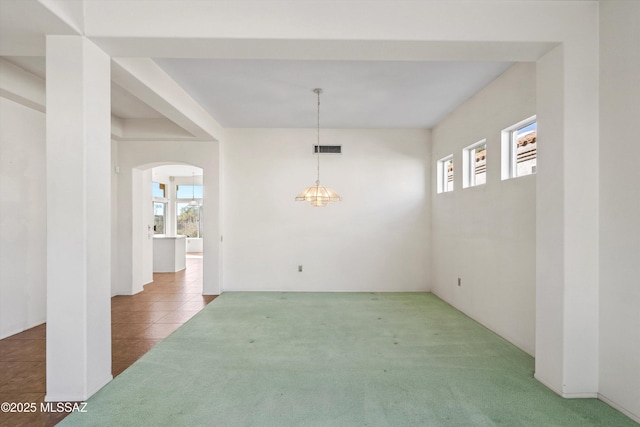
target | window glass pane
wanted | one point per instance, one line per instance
(159, 215)
(448, 175)
(157, 190)
(479, 162)
(189, 191)
(188, 220)
(525, 144)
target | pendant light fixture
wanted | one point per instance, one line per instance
(193, 201)
(318, 195)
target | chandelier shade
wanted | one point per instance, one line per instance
(318, 195)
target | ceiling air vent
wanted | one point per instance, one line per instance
(328, 149)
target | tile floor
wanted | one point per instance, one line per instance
(138, 322)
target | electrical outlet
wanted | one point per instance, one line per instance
(299, 269)
(459, 281)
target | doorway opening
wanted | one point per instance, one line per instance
(177, 200)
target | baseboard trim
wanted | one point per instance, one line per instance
(63, 398)
(76, 397)
(346, 291)
(586, 395)
(583, 395)
(620, 408)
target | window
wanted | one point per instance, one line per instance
(188, 214)
(159, 217)
(189, 192)
(474, 164)
(445, 174)
(158, 190)
(519, 149)
(188, 219)
(158, 193)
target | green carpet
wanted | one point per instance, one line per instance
(335, 359)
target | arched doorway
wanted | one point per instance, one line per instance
(135, 228)
(166, 209)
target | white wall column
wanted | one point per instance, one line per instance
(567, 220)
(78, 218)
(550, 222)
(147, 227)
(138, 232)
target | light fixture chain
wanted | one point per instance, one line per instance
(318, 195)
(318, 143)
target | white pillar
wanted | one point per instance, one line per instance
(147, 228)
(567, 221)
(78, 218)
(212, 242)
(550, 262)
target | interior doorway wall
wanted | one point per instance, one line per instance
(137, 158)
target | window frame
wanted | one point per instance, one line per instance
(442, 176)
(162, 187)
(187, 200)
(469, 162)
(164, 214)
(197, 189)
(509, 168)
(199, 234)
(164, 200)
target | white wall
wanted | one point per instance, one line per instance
(194, 244)
(485, 235)
(114, 212)
(23, 248)
(376, 239)
(619, 206)
(147, 229)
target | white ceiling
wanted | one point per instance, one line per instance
(255, 93)
(248, 93)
